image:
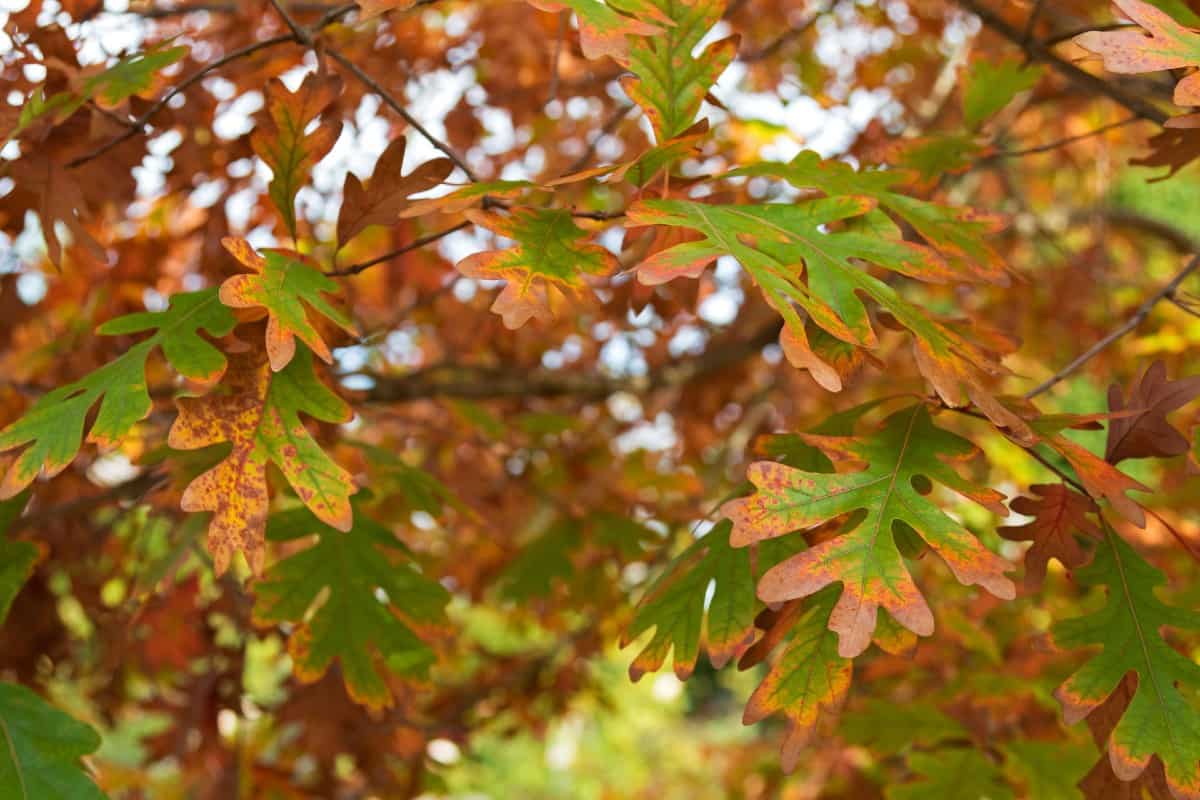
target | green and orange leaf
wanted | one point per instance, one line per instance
(548, 262)
(670, 80)
(1164, 44)
(1160, 720)
(906, 453)
(285, 146)
(257, 411)
(285, 285)
(604, 28)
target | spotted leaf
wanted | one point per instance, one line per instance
(257, 411)
(1162, 44)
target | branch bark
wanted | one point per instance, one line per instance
(490, 383)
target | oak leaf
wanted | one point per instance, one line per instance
(1165, 45)
(990, 86)
(258, 414)
(285, 144)
(1160, 720)
(385, 196)
(685, 620)
(284, 284)
(954, 773)
(1059, 519)
(670, 77)
(604, 28)
(1147, 433)
(41, 748)
(548, 261)
(907, 452)
(52, 429)
(355, 596)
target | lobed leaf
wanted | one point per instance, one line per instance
(356, 597)
(385, 197)
(955, 773)
(1147, 433)
(670, 79)
(604, 28)
(285, 144)
(1159, 721)
(549, 259)
(907, 452)
(1060, 520)
(132, 75)
(1165, 45)
(51, 431)
(259, 415)
(41, 748)
(684, 621)
(285, 285)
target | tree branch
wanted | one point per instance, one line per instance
(415, 244)
(488, 383)
(1128, 325)
(1037, 51)
(139, 125)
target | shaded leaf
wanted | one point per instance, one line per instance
(57, 197)
(52, 429)
(956, 773)
(386, 195)
(41, 748)
(16, 558)
(1059, 520)
(355, 597)
(283, 143)
(132, 75)
(1048, 769)
(906, 453)
(990, 86)
(548, 261)
(285, 285)
(541, 563)
(1147, 433)
(1159, 720)
(675, 605)
(258, 413)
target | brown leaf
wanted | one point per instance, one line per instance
(1060, 516)
(1146, 433)
(381, 201)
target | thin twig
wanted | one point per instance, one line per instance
(298, 32)
(1046, 148)
(610, 124)
(787, 36)
(1128, 325)
(396, 106)
(415, 244)
(140, 123)
(1038, 51)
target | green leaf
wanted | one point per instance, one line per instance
(132, 75)
(990, 86)
(377, 610)
(954, 774)
(808, 680)
(890, 728)
(548, 261)
(669, 82)
(675, 606)
(53, 427)
(541, 562)
(1049, 770)
(258, 414)
(777, 244)
(286, 285)
(900, 459)
(16, 558)
(41, 748)
(1159, 720)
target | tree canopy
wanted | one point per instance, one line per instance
(600, 398)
